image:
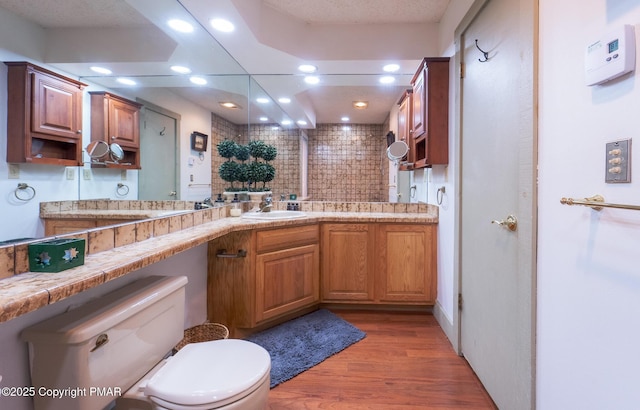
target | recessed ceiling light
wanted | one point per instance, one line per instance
(126, 81)
(264, 119)
(344, 118)
(222, 25)
(181, 69)
(387, 79)
(391, 68)
(198, 80)
(361, 105)
(307, 68)
(262, 100)
(228, 104)
(286, 122)
(301, 122)
(101, 70)
(311, 79)
(284, 100)
(180, 25)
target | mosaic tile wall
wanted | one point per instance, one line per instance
(343, 165)
(347, 165)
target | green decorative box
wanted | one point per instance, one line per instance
(56, 255)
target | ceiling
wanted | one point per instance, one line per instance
(348, 40)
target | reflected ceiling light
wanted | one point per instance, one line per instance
(101, 70)
(222, 25)
(346, 128)
(311, 79)
(286, 122)
(262, 100)
(198, 80)
(229, 104)
(264, 119)
(344, 118)
(307, 68)
(301, 122)
(181, 69)
(284, 100)
(387, 79)
(180, 26)
(360, 105)
(275, 127)
(126, 81)
(391, 68)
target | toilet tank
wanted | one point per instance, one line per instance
(88, 356)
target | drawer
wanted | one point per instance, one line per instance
(282, 238)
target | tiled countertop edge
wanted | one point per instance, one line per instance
(26, 292)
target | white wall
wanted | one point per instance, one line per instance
(588, 277)
(14, 358)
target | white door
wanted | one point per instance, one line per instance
(497, 264)
(157, 178)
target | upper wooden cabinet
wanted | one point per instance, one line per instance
(429, 142)
(117, 120)
(44, 116)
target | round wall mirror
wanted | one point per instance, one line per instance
(397, 150)
(116, 152)
(97, 149)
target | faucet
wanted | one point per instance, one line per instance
(266, 204)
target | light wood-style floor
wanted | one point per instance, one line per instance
(405, 362)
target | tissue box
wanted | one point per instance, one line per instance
(56, 255)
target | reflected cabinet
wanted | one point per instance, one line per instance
(44, 116)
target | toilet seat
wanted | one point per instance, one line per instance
(209, 374)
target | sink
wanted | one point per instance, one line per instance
(274, 215)
(171, 212)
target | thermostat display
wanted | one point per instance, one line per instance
(611, 56)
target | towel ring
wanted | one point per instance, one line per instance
(122, 190)
(24, 187)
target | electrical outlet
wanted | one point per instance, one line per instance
(86, 174)
(71, 173)
(14, 171)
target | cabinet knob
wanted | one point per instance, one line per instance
(79, 132)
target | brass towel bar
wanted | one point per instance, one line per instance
(596, 203)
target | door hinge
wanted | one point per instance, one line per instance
(459, 301)
(461, 70)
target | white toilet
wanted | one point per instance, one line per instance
(116, 348)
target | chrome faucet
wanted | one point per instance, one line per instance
(266, 204)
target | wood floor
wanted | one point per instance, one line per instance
(405, 362)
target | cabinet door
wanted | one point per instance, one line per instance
(419, 109)
(286, 280)
(348, 262)
(56, 107)
(124, 124)
(406, 263)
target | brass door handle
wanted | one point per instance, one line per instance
(511, 223)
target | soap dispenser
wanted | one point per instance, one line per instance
(235, 206)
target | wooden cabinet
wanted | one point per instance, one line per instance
(429, 143)
(278, 277)
(348, 261)
(44, 116)
(117, 120)
(379, 264)
(406, 263)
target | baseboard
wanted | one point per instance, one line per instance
(446, 324)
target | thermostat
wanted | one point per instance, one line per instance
(611, 56)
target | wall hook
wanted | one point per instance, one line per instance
(162, 132)
(486, 55)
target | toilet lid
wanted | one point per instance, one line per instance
(210, 372)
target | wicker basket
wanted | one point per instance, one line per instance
(203, 333)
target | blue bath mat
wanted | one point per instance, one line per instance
(300, 344)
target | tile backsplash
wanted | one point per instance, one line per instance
(344, 165)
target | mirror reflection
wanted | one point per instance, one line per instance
(187, 82)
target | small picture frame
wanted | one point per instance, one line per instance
(199, 141)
